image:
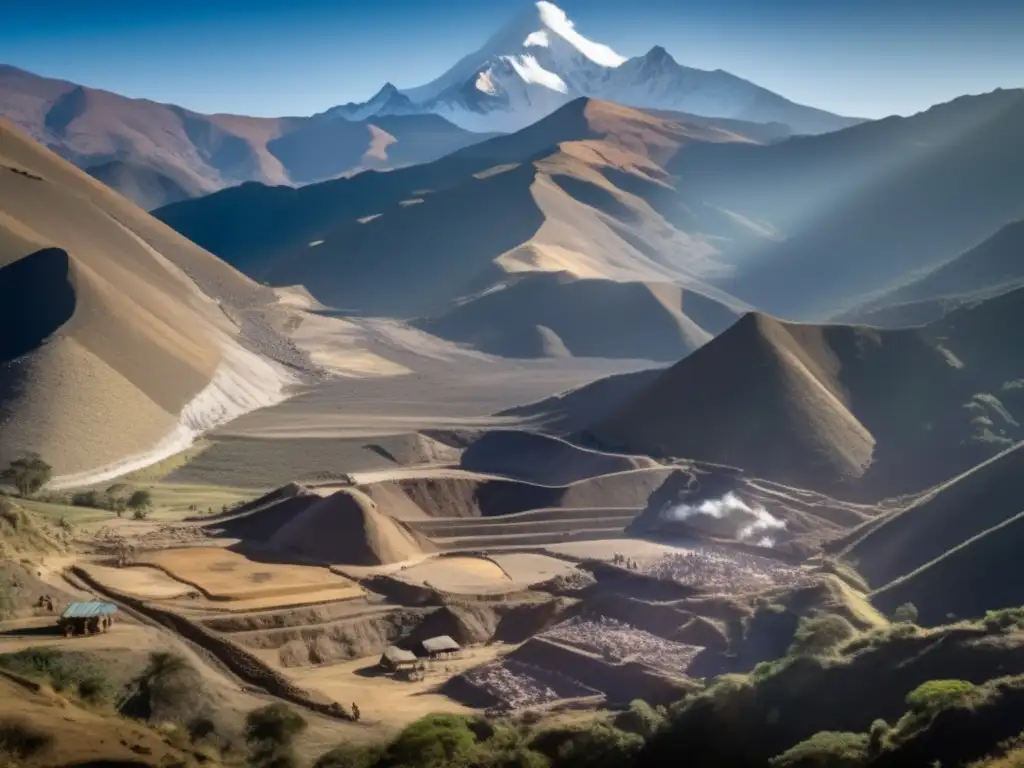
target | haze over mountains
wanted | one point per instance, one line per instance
(801, 227)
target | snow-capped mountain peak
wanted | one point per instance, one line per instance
(387, 101)
(539, 61)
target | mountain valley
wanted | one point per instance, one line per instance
(570, 410)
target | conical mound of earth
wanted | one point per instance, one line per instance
(347, 528)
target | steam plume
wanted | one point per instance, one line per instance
(730, 516)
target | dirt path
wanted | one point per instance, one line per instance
(390, 704)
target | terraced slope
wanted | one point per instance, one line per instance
(537, 458)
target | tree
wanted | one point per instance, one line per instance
(28, 474)
(118, 495)
(905, 614)
(140, 503)
(641, 718)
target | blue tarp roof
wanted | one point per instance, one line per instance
(85, 610)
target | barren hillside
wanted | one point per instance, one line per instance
(114, 345)
(666, 322)
(843, 408)
(993, 266)
(157, 154)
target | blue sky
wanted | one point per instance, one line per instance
(290, 57)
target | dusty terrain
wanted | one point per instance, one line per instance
(224, 575)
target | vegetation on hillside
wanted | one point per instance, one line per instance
(28, 474)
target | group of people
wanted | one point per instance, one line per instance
(45, 601)
(625, 562)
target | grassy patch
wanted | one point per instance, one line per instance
(55, 511)
(154, 473)
(63, 673)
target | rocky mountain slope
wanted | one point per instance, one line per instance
(122, 339)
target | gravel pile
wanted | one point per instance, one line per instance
(522, 686)
(723, 571)
(618, 642)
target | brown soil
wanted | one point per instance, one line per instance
(347, 528)
(79, 736)
(224, 575)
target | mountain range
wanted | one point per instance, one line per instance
(802, 227)
(157, 154)
(539, 62)
(160, 153)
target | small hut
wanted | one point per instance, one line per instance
(441, 647)
(395, 659)
(87, 618)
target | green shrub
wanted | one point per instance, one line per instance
(94, 688)
(878, 736)
(641, 718)
(270, 733)
(350, 756)
(435, 741)
(140, 500)
(905, 614)
(1004, 620)
(598, 746)
(63, 673)
(937, 695)
(91, 499)
(879, 637)
(821, 635)
(826, 749)
(277, 723)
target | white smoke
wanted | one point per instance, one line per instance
(729, 516)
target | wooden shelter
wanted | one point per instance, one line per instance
(439, 647)
(394, 659)
(87, 618)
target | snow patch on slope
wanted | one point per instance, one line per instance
(532, 73)
(538, 38)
